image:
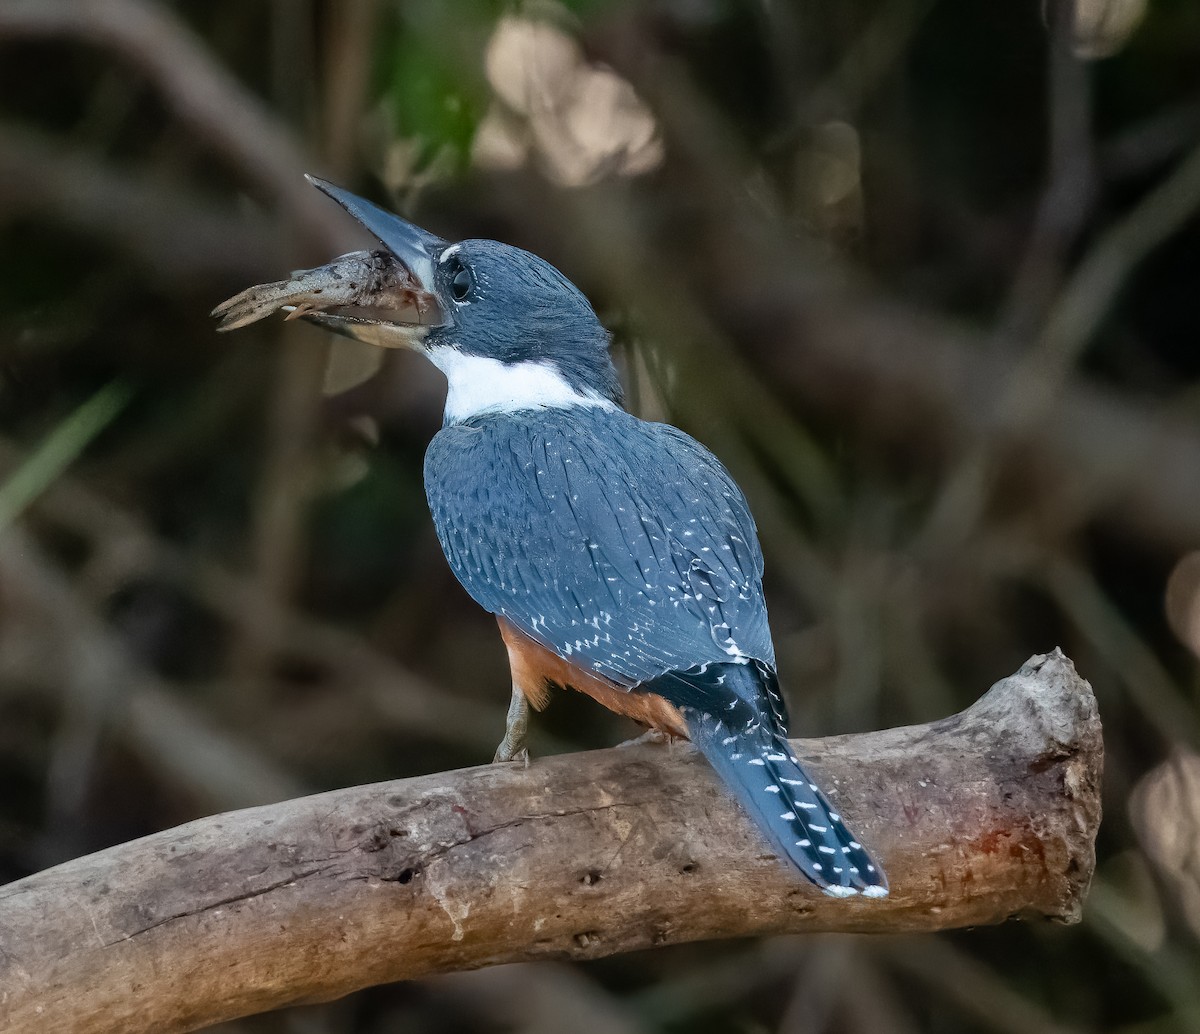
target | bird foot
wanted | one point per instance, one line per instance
(505, 755)
(656, 736)
(512, 747)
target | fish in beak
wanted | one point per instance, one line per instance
(383, 297)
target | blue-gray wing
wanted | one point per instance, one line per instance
(619, 544)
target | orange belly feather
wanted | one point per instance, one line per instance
(536, 670)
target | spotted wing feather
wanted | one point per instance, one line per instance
(619, 544)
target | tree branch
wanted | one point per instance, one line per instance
(979, 817)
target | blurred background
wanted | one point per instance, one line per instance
(923, 274)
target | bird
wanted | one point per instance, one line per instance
(618, 555)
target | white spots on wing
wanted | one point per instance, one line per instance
(756, 761)
(734, 651)
(771, 789)
(804, 843)
(788, 816)
(818, 829)
(823, 849)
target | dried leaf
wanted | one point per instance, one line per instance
(1165, 807)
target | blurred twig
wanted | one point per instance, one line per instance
(1034, 387)
(286, 483)
(1070, 185)
(398, 696)
(1101, 622)
(974, 987)
(64, 444)
(104, 690)
(225, 117)
(1143, 147)
(178, 238)
(537, 998)
(1170, 971)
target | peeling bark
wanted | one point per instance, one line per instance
(980, 817)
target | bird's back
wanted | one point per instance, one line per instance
(619, 543)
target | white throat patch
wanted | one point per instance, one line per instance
(481, 385)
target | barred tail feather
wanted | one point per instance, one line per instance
(732, 727)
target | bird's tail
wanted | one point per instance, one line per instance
(730, 720)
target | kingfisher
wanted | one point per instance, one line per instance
(618, 555)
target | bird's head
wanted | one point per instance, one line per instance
(506, 327)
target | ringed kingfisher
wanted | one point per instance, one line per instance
(618, 555)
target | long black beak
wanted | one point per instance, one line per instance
(418, 249)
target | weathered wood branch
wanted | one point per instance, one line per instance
(980, 817)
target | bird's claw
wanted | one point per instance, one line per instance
(504, 756)
(655, 736)
(516, 726)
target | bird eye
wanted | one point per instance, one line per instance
(460, 284)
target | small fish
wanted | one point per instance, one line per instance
(360, 281)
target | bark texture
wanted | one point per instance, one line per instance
(984, 816)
